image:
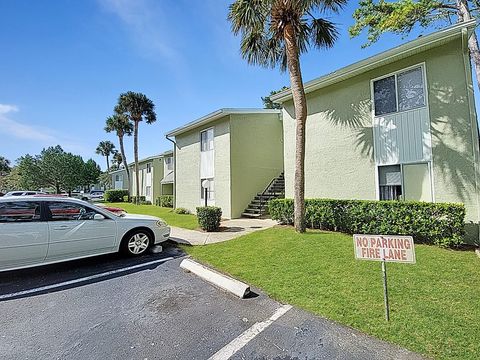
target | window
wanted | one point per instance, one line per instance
(117, 177)
(148, 191)
(149, 168)
(390, 182)
(210, 190)
(399, 92)
(65, 211)
(19, 211)
(410, 89)
(169, 163)
(385, 96)
(206, 140)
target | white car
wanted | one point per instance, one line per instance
(94, 195)
(40, 230)
(22, 193)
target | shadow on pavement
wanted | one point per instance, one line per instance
(71, 274)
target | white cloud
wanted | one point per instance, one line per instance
(40, 135)
(5, 109)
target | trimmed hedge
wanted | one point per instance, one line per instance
(182, 211)
(209, 217)
(141, 198)
(441, 224)
(115, 195)
(165, 201)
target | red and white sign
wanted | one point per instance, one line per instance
(390, 248)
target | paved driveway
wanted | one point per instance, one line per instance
(157, 311)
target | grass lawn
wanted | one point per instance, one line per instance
(435, 304)
(183, 221)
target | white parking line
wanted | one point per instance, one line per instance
(236, 344)
(86, 278)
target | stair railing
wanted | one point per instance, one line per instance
(264, 192)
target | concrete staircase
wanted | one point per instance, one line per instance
(258, 206)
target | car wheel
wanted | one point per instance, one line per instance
(136, 243)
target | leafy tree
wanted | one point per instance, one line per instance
(11, 181)
(122, 126)
(91, 173)
(117, 159)
(401, 16)
(4, 166)
(137, 107)
(275, 33)
(57, 169)
(268, 103)
(29, 173)
(106, 148)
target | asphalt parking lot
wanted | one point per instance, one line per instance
(95, 309)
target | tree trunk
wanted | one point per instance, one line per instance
(464, 15)
(108, 163)
(135, 151)
(124, 159)
(300, 105)
(57, 188)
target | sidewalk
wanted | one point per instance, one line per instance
(230, 229)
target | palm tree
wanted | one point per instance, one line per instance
(106, 148)
(137, 107)
(122, 126)
(277, 32)
(4, 166)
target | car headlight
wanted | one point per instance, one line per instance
(161, 223)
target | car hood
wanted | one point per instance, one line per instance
(139, 217)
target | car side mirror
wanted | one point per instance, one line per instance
(98, 217)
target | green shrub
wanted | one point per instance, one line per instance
(164, 201)
(133, 199)
(430, 223)
(209, 217)
(182, 211)
(115, 195)
(126, 198)
(145, 202)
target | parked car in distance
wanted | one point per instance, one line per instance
(94, 195)
(22, 193)
(40, 230)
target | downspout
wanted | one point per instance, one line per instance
(473, 118)
(174, 170)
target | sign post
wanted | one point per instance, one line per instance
(384, 248)
(385, 291)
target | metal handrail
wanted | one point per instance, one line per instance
(263, 193)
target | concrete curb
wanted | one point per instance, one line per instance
(222, 281)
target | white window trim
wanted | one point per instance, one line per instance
(213, 138)
(430, 171)
(395, 73)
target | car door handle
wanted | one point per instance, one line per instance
(61, 227)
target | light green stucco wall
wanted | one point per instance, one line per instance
(256, 156)
(157, 176)
(339, 159)
(187, 189)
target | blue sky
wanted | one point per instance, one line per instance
(64, 63)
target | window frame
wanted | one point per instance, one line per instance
(149, 168)
(395, 74)
(213, 139)
(46, 210)
(17, 200)
(430, 171)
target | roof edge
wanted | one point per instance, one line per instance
(374, 61)
(217, 115)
